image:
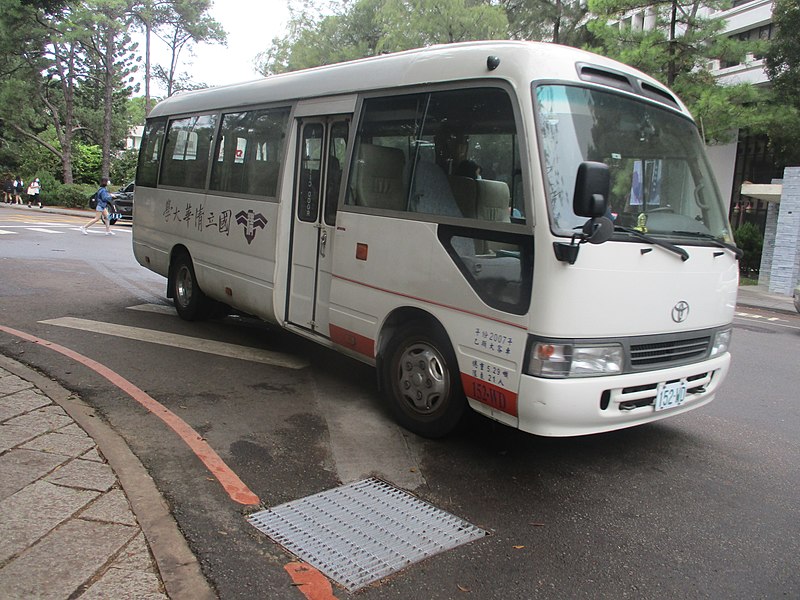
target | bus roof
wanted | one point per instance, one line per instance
(520, 63)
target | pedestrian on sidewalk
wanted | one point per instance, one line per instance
(8, 190)
(33, 193)
(19, 185)
(103, 202)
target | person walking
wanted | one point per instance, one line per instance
(19, 186)
(33, 193)
(8, 190)
(101, 210)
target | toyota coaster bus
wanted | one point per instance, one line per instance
(526, 229)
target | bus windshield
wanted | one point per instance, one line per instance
(661, 183)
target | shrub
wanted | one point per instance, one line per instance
(748, 237)
(75, 195)
(49, 186)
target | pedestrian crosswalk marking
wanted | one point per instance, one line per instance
(186, 342)
(58, 228)
(43, 230)
(161, 309)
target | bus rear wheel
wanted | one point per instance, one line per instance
(420, 381)
(189, 299)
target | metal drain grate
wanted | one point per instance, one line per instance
(364, 531)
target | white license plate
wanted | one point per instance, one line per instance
(670, 395)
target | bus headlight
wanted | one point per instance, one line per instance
(721, 342)
(572, 360)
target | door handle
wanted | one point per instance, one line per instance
(323, 240)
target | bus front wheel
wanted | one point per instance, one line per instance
(187, 296)
(420, 380)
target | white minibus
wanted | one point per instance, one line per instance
(526, 229)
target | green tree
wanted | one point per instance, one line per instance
(675, 41)
(783, 70)
(184, 23)
(88, 163)
(123, 168)
(369, 27)
(149, 15)
(557, 21)
(110, 54)
(748, 237)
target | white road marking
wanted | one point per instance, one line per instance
(762, 317)
(182, 341)
(758, 319)
(161, 309)
(43, 230)
(4, 232)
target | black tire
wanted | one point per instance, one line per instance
(189, 300)
(421, 382)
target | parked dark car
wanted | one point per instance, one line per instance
(797, 298)
(123, 203)
(123, 200)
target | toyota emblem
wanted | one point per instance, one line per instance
(680, 312)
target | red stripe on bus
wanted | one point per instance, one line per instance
(353, 341)
(490, 394)
(311, 583)
(425, 301)
(230, 482)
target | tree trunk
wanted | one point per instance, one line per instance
(671, 65)
(557, 23)
(147, 34)
(108, 99)
(65, 129)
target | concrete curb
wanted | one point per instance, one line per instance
(177, 565)
(775, 309)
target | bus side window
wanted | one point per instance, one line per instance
(186, 153)
(150, 153)
(411, 149)
(337, 152)
(379, 177)
(249, 152)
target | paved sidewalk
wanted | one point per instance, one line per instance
(67, 527)
(757, 296)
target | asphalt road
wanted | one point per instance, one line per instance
(701, 506)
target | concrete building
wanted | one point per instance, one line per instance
(134, 139)
(746, 159)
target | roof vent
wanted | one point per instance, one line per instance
(659, 94)
(605, 77)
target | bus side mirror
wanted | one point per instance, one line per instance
(591, 190)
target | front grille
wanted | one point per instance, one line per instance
(670, 351)
(634, 397)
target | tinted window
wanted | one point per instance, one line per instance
(150, 152)
(186, 153)
(249, 152)
(452, 153)
(310, 172)
(337, 151)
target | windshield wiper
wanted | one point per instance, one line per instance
(715, 241)
(655, 241)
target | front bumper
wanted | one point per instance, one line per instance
(581, 406)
